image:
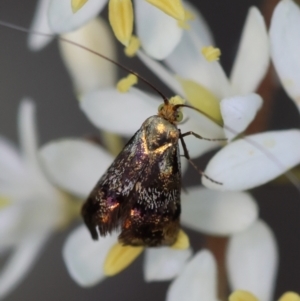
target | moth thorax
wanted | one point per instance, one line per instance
(160, 134)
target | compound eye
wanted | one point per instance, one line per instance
(179, 116)
(161, 106)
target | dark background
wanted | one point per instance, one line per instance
(43, 77)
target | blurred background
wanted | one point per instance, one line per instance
(42, 77)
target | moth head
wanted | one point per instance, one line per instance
(171, 111)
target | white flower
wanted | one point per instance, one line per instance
(285, 42)
(252, 260)
(56, 16)
(33, 209)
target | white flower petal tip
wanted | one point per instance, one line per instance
(238, 112)
(28, 131)
(252, 260)
(253, 161)
(39, 23)
(158, 32)
(62, 19)
(88, 71)
(197, 281)
(253, 55)
(74, 165)
(218, 213)
(85, 257)
(113, 115)
(285, 42)
(164, 263)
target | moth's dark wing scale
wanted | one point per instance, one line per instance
(140, 192)
(104, 206)
(155, 203)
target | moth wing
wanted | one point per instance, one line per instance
(153, 218)
(107, 201)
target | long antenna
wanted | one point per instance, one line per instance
(26, 30)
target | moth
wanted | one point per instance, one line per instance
(140, 191)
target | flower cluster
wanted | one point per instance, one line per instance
(36, 187)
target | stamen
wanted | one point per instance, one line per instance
(242, 296)
(202, 99)
(182, 242)
(133, 47)
(120, 13)
(119, 258)
(77, 5)
(289, 296)
(211, 53)
(126, 83)
(176, 100)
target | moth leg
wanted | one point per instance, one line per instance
(187, 156)
(200, 137)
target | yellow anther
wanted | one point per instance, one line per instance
(133, 47)
(120, 13)
(125, 83)
(211, 53)
(202, 99)
(4, 202)
(119, 258)
(289, 296)
(77, 5)
(242, 296)
(176, 100)
(173, 8)
(182, 242)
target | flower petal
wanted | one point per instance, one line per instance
(238, 112)
(217, 213)
(285, 42)
(62, 19)
(199, 25)
(20, 262)
(164, 263)
(28, 131)
(10, 218)
(89, 71)
(85, 257)
(11, 165)
(158, 32)
(74, 165)
(161, 72)
(252, 260)
(198, 280)
(187, 61)
(253, 56)
(202, 126)
(108, 110)
(253, 161)
(40, 24)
